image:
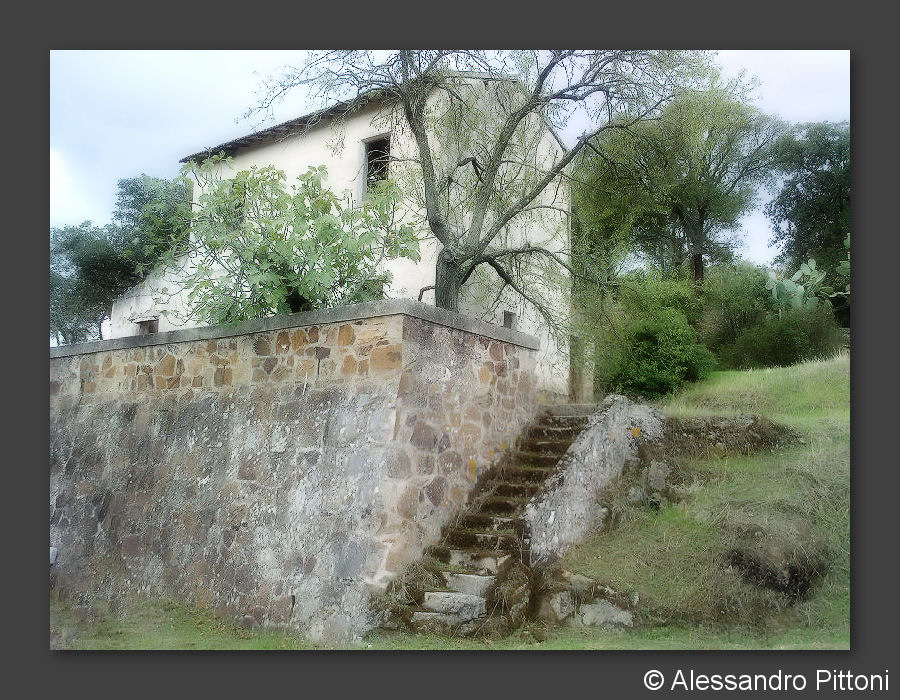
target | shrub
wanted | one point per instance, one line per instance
(734, 298)
(645, 292)
(786, 340)
(661, 353)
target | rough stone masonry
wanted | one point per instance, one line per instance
(278, 471)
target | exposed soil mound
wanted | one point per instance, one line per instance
(718, 435)
(787, 556)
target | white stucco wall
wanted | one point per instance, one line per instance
(342, 150)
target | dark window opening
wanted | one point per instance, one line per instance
(378, 153)
(149, 326)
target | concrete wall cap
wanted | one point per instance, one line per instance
(352, 312)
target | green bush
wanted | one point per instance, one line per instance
(734, 299)
(660, 353)
(645, 292)
(786, 340)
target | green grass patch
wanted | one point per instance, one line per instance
(157, 625)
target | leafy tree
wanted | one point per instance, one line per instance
(88, 270)
(152, 214)
(810, 215)
(475, 120)
(679, 184)
(258, 247)
(90, 266)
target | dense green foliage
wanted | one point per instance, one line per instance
(88, 270)
(810, 215)
(782, 340)
(644, 340)
(656, 332)
(734, 298)
(152, 215)
(258, 247)
(90, 266)
(661, 353)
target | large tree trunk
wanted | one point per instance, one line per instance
(448, 280)
(698, 267)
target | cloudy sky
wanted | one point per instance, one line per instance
(116, 114)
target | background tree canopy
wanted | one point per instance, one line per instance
(810, 215)
(90, 266)
(674, 186)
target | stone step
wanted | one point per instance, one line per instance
(507, 542)
(573, 422)
(426, 622)
(501, 505)
(517, 489)
(553, 432)
(486, 523)
(522, 473)
(473, 584)
(571, 409)
(463, 606)
(544, 445)
(477, 561)
(538, 459)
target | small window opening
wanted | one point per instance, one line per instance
(151, 325)
(509, 319)
(378, 153)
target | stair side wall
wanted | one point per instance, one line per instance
(566, 509)
(462, 401)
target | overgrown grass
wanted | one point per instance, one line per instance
(675, 558)
(157, 625)
(672, 558)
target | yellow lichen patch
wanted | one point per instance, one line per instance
(636, 432)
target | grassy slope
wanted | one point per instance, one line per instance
(656, 554)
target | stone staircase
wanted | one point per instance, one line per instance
(487, 541)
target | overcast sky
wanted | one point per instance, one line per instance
(116, 114)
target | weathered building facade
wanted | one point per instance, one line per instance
(368, 143)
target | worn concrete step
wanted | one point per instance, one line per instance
(472, 584)
(475, 560)
(544, 445)
(486, 523)
(539, 459)
(517, 489)
(461, 605)
(507, 542)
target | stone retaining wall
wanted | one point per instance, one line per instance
(282, 471)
